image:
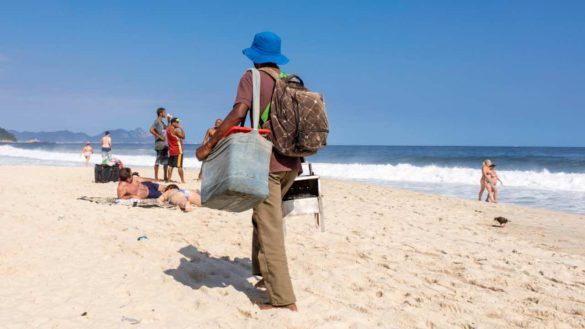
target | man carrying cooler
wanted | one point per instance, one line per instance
(268, 248)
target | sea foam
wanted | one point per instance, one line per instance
(451, 175)
(428, 174)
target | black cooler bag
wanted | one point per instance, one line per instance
(105, 173)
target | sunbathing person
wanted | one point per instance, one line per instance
(179, 197)
(132, 186)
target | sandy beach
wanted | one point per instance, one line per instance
(388, 258)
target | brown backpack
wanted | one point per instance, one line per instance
(297, 117)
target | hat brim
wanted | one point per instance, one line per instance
(259, 58)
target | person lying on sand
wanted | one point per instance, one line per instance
(134, 187)
(179, 197)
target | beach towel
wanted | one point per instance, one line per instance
(143, 203)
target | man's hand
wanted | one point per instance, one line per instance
(179, 132)
(237, 115)
(161, 199)
(203, 151)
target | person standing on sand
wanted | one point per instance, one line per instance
(87, 151)
(485, 181)
(210, 132)
(175, 137)
(106, 146)
(159, 131)
(268, 248)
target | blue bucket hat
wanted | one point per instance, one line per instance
(265, 49)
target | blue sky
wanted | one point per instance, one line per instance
(392, 72)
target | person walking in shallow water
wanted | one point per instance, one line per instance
(493, 176)
(268, 244)
(87, 151)
(106, 147)
(485, 181)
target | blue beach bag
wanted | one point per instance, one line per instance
(235, 174)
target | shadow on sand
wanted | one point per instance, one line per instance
(198, 269)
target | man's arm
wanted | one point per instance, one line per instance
(207, 136)
(122, 191)
(179, 132)
(162, 198)
(144, 179)
(155, 133)
(236, 115)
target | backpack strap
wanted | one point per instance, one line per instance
(276, 77)
(255, 98)
(270, 72)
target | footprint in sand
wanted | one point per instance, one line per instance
(450, 307)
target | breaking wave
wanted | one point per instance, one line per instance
(452, 175)
(427, 174)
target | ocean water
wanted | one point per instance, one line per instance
(543, 177)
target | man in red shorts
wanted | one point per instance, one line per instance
(175, 137)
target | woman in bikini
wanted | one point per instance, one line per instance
(87, 152)
(493, 178)
(485, 182)
(180, 197)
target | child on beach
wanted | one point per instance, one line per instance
(180, 197)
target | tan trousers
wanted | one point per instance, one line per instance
(268, 252)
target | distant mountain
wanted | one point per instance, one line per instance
(6, 136)
(137, 135)
(53, 136)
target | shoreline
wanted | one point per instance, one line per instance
(389, 258)
(363, 181)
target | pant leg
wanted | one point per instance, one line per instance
(255, 248)
(284, 186)
(268, 254)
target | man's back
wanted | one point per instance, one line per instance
(278, 162)
(175, 143)
(128, 188)
(106, 141)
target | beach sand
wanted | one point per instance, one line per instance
(389, 258)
